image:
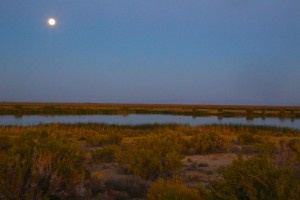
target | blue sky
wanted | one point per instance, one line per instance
(158, 51)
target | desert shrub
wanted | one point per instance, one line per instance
(40, 166)
(249, 149)
(170, 190)
(294, 145)
(206, 142)
(294, 155)
(256, 178)
(154, 155)
(105, 154)
(114, 138)
(5, 143)
(248, 138)
(101, 140)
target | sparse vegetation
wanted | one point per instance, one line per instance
(154, 156)
(102, 140)
(257, 178)
(249, 112)
(40, 165)
(106, 154)
(170, 190)
(5, 143)
(91, 161)
(248, 138)
(206, 142)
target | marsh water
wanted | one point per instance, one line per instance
(137, 119)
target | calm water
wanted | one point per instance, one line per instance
(136, 119)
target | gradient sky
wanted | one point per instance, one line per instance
(151, 51)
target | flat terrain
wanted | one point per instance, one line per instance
(124, 161)
(10, 108)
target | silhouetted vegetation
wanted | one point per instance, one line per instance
(250, 112)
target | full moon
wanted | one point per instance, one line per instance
(51, 22)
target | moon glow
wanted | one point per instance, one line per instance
(51, 22)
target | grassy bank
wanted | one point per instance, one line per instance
(125, 109)
(92, 161)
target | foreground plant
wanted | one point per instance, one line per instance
(41, 166)
(154, 156)
(256, 178)
(170, 190)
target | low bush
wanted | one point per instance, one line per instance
(206, 143)
(256, 178)
(171, 190)
(154, 155)
(294, 145)
(5, 143)
(101, 140)
(40, 166)
(294, 155)
(248, 138)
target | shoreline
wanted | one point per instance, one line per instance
(248, 111)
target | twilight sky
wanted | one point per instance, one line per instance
(151, 51)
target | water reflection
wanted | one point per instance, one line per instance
(136, 119)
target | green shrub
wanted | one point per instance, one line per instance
(171, 190)
(40, 166)
(154, 156)
(105, 154)
(206, 142)
(256, 178)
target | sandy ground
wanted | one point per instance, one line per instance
(202, 169)
(197, 169)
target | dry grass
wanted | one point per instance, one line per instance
(123, 109)
(197, 169)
